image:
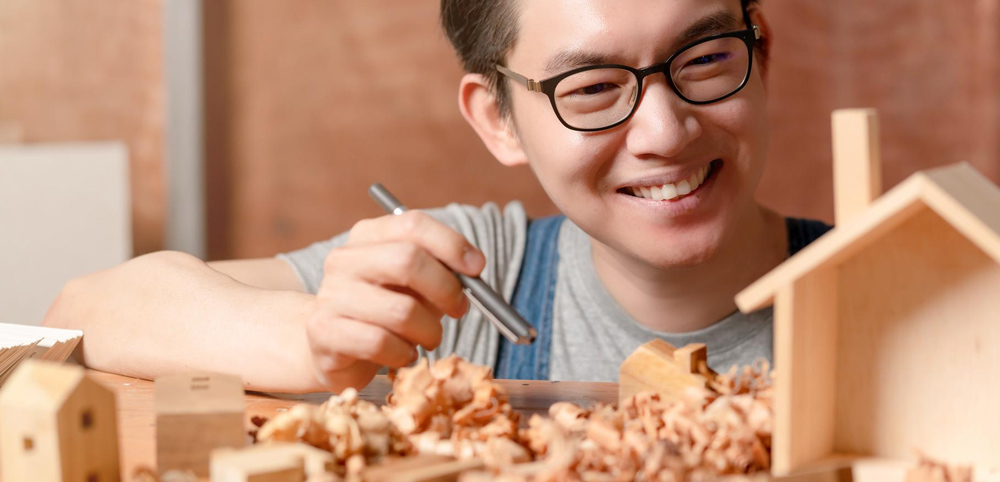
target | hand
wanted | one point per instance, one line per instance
(384, 293)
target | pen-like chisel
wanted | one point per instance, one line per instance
(503, 316)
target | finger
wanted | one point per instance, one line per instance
(441, 241)
(401, 313)
(361, 341)
(397, 264)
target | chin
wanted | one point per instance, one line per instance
(678, 252)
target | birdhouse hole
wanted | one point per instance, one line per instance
(87, 419)
(29, 444)
(92, 477)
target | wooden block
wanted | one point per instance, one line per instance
(253, 465)
(658, 366)
(272, 462)
(57, 424)
(421, 468)
(195, 414)
(388, 469)
(857, 165)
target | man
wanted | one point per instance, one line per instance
(647, 129)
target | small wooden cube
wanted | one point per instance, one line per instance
(195, 414)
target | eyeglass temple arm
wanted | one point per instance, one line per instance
(526, 82)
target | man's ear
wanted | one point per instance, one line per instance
(479, 107)
(764, 43)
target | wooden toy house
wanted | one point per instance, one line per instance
(57, 425)
(195, 414)
(658, 366)
(887, 329)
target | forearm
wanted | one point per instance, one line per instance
(169, 312)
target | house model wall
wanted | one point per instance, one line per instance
(57, 425)
(195, 414)
(887, 329)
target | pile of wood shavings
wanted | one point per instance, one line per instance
(455, 408)
(721, 431)
(355, 431)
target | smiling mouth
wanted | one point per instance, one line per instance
(674, 191)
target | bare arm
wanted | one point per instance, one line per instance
(264, 273)
(382, 295)
(168, 312)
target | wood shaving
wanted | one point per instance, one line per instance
(455, 408)
(355, 431)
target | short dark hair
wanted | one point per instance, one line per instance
(484, 31)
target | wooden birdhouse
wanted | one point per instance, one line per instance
(274, 462)
(887, 329)
(658, 366)
(195, 414)
(57, 425)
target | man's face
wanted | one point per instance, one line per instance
(590, 176)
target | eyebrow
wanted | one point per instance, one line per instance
(718, 22)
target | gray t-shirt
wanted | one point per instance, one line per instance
(591, 333)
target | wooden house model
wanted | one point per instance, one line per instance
(195, 414)
(57, 425)
(660, 367)
(887, 329)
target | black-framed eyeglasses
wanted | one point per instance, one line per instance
(598, 97)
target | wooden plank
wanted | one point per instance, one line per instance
(919, 347)
(857, 162)
(805, 334)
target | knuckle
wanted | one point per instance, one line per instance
(333, 260)
(359, 227)
(402, 309)
(412, 222)
(326, 364)
(407, 260)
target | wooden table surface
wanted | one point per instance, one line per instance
(137, 417)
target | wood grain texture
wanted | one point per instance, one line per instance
(195, 414)
(309, 102)
(805, 334)
(919, 347)
(57, 424)
(76, 70)
(929, 68)
(857, 162)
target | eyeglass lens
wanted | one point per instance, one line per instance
(705, 72)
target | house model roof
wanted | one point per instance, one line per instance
(41, 385)
(958, 193)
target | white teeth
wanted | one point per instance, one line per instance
(671, 191)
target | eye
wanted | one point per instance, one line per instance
(710, 58)
(595, 89)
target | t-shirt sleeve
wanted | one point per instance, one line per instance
(501, 237)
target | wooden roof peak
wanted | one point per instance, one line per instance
(958, 193)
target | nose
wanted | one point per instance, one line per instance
(663, 125)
